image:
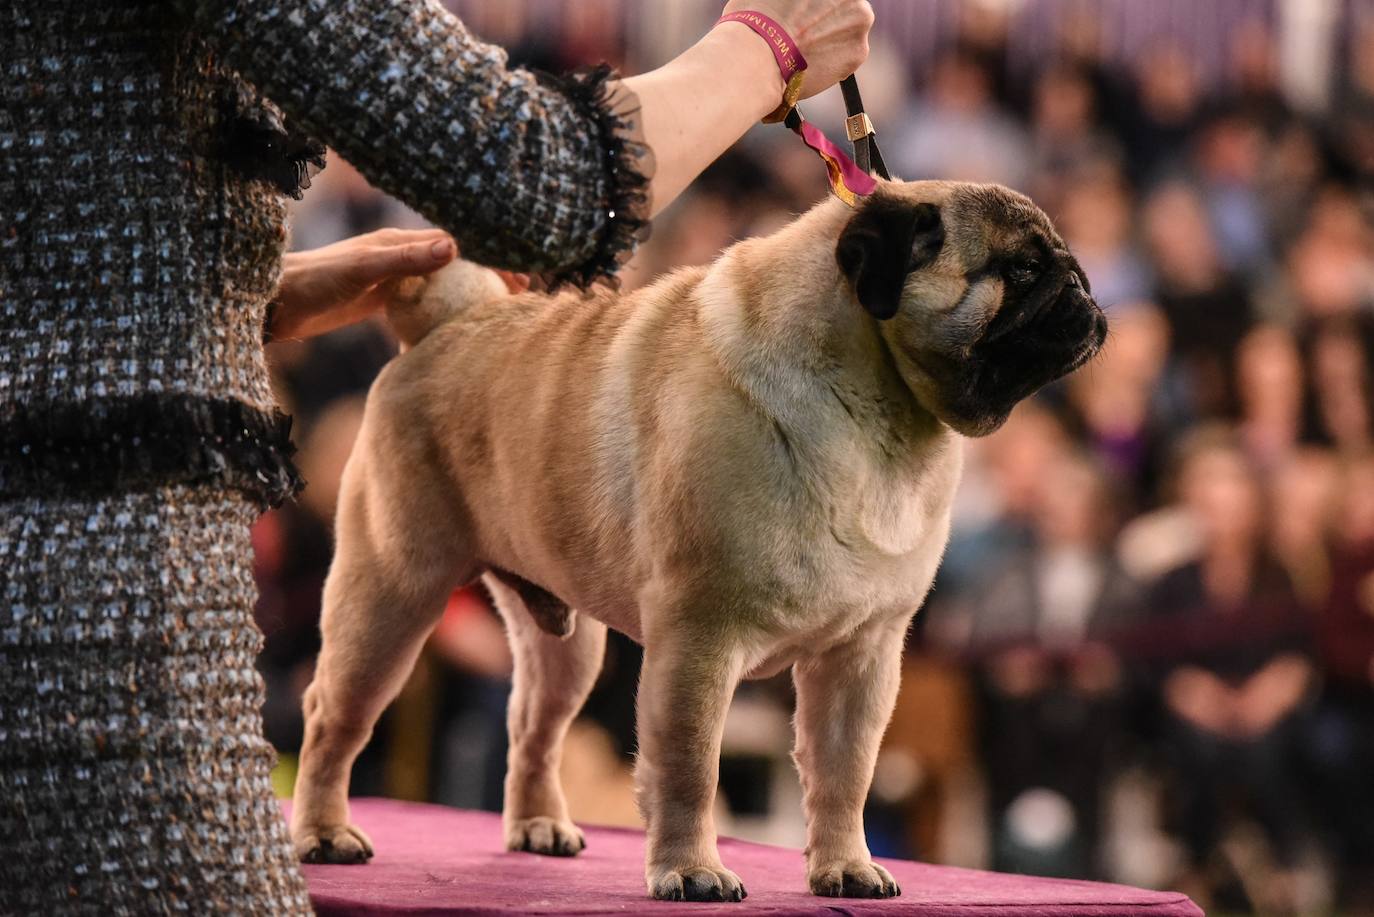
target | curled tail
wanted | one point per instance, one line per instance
(418, 305)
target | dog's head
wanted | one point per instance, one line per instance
(978, 297)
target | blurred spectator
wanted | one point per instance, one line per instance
(992, 512)
(1340, 398)
(468, 748)
(1294, 166)
(982, 34)
(1227, 157)
(1340, 743)
(1168, 105)
(1269, 374)
(1253, 71)
(293, 547)
(1208, 308)
(957, 131)
(1124, 404)
(1234, 666)
(1053, 686)
(1303, 491)
(1096, 219)
(1332, 273)
(1354, 110)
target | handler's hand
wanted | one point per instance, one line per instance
(831, 34)
(327, 288)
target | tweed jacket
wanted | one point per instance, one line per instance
(147, 152)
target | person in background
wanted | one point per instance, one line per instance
(1227, 158)
(1165, 112)
(1341, 384)
(1270, 393)
(1053, 685)
(293, 546)
(470, 673)
(1066, 137)
(1339, 745)
(1209, 309)
(1234, 667)
(1328, 262)
(1123, 408)
(1252, 62)
(1302, 490)
(1096, 216)
(956, 130)
(1003, 474)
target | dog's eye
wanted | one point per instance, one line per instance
(1023, 273)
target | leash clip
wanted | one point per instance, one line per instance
(858, 126)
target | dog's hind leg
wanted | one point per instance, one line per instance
(401, 549)
(553, 676)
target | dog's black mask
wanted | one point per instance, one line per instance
(1047, 327)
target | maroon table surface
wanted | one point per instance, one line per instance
(435, 860)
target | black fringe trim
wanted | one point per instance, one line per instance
(143, 442)
(285, 161)
(259, 144)
(628, 163)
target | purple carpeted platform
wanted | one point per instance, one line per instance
(433, 860)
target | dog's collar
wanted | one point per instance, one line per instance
(849, 178)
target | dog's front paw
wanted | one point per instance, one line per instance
(549, 836)
(332, 844)
(696, 883)
(853, 879)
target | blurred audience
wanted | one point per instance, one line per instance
(1156, 612)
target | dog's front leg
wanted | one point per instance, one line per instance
(684, 691)
(845, 698)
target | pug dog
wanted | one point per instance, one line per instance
(745, 467)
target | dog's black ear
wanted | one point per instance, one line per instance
(886, 240)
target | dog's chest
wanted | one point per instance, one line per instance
(867, 550)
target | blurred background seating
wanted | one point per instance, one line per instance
(1149, 655)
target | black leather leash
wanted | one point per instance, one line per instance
(859, 127)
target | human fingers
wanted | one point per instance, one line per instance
(391, 235)
(377, 263)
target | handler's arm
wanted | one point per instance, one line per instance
(697, 105)
(527, 174)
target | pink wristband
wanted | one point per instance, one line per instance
(785, 51)
(847, 180)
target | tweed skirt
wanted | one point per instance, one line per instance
(134, 777)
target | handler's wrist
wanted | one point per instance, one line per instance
(787, 56)
(751, 61)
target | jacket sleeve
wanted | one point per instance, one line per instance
(534, 174)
